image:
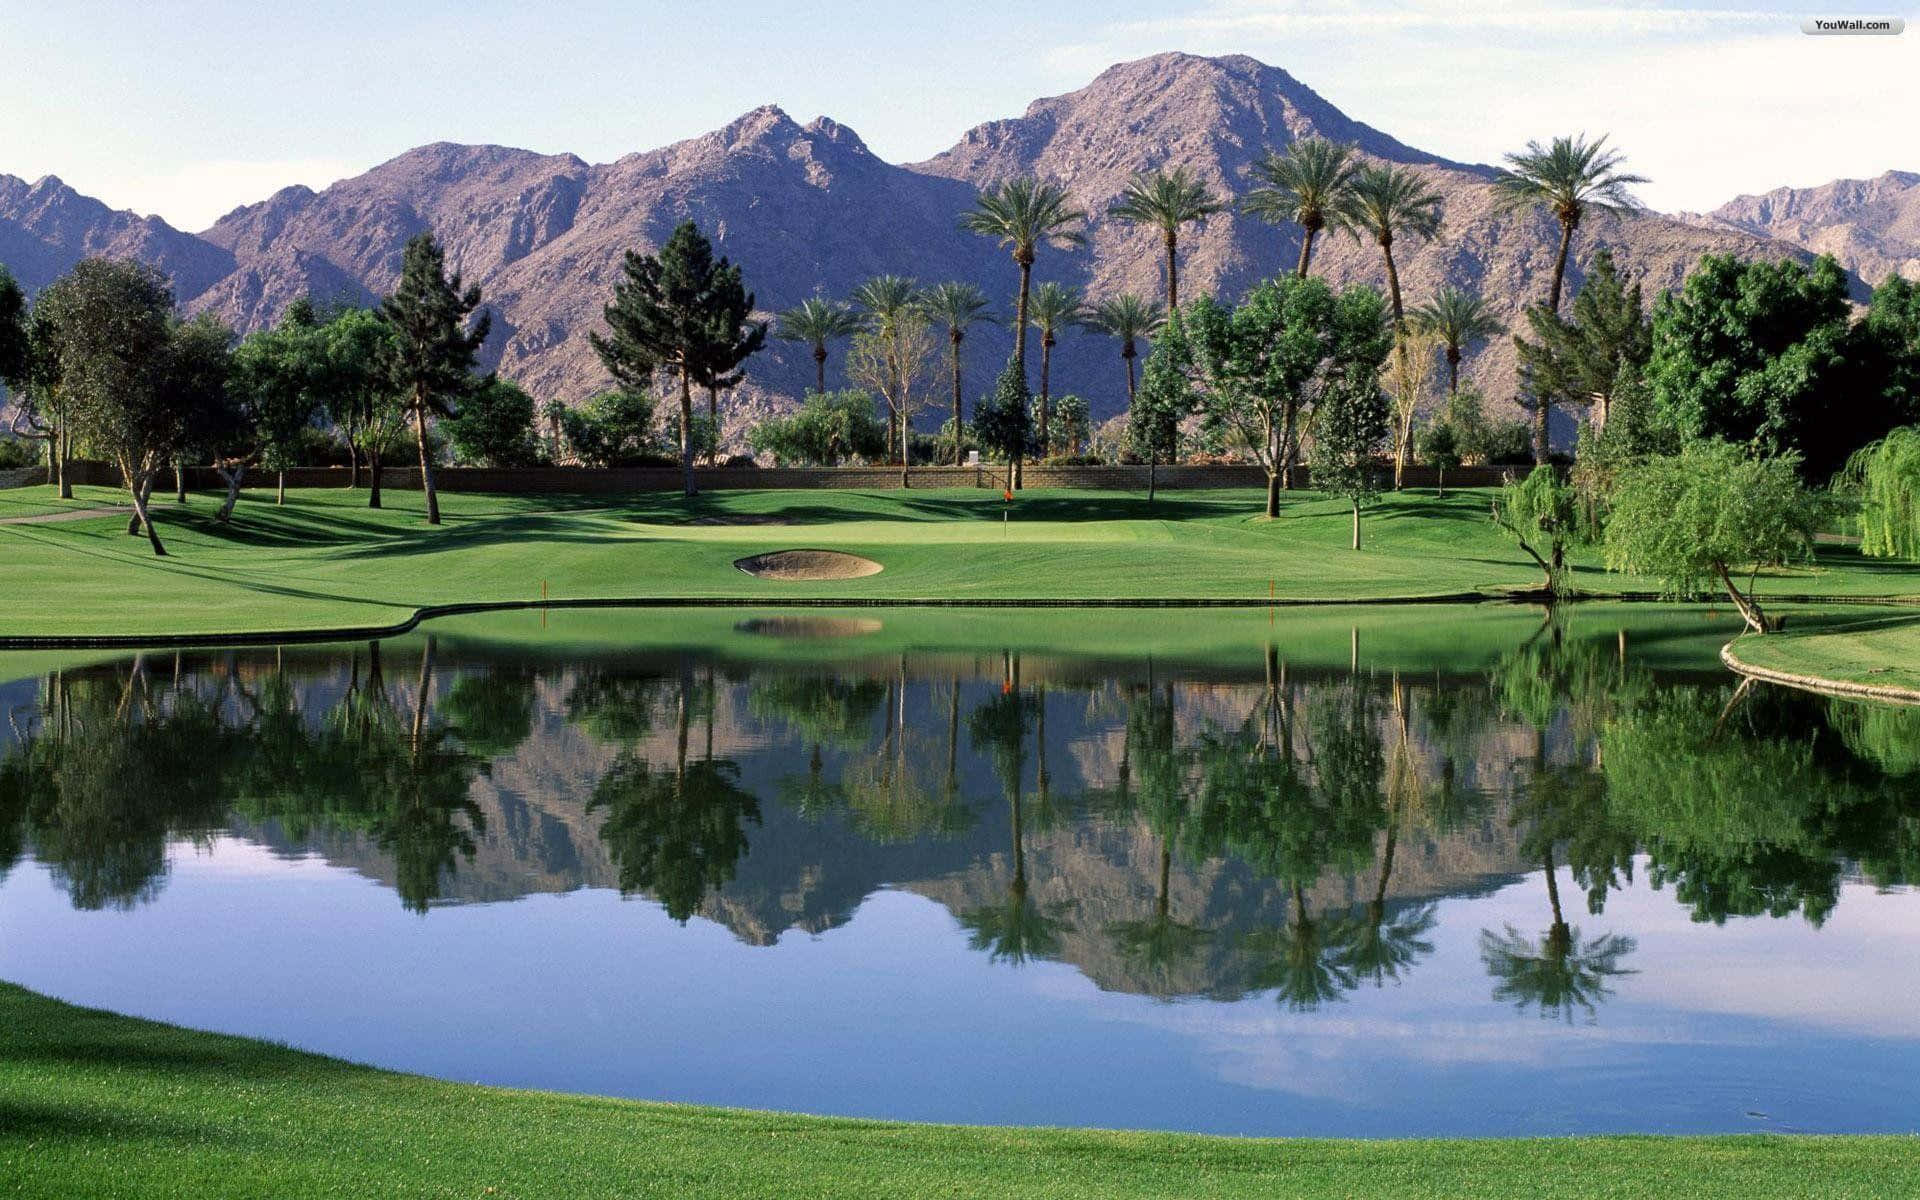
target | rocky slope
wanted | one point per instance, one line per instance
(1871, 225)
(809, 209)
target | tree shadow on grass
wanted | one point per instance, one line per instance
(31, 1122)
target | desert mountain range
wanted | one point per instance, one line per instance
(809, 209)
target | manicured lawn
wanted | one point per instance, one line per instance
(98, 1105)
(324, 560)
(1882, 651)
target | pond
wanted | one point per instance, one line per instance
(1359, 872)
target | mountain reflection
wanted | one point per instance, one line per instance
(1183, 831)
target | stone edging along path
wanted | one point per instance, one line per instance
(1816, 683)
(359, 633)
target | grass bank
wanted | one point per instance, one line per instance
(1877, 656)
(325, 561)
(101, 1105)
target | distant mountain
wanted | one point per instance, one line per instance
(1872, 226)
(809, 209)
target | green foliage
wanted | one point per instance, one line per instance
(1566, 177)
(356, 345)
(494, 427)
(1165, 200)
(1164, 398)
(1440, 446)
(1023, 212)
(14, 344)
(1308, 186)
(1886, 477)
(1350, 420)
(432, 352)
(278, 379)
(826, 430)
(1539, 513)
(613, 429)
(1751, 353)
(1071, 425)
(1003, 420)
(1692, 519)
(1457, 319)
(1588, 357)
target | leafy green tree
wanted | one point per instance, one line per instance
(683, 311)
(1591, 357)
(1051, 308)
(1003, 421)
(826, 430)
(1127, 318)
(1307, 186)
(816, 321)
(1538, 512)
(1286, 347)
(1023, 214)
(1165, 399)
(1440, 449)
(1886, 477)
(613, 429)
(494, 426)
(1386, 203)
(432, 352)
(16, 348)
(1753, 353)
(356, 344)
(1350, 419)
(1457, 319)
(277, 376)
(1694, 518)
(1165, 200)
(1071, 425)
(42, 407)
(956, 307)
(111, 326)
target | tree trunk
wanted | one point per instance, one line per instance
(953, 343)
(64, 456)
(1289, 421)
(1453, 370)
(1153, 463)
(686, 432)
(713, 425)
(1443, 483)
(353, 455)
(820, 369)
(233, 479)
(1356, 523)
(1273, 494)
(141, 489)
(373, 478)
(280, 487)
(179, 483)
(1046, 402)
(1306, 250)
(906, 458)
(1020, 311)
(1749, 608)
(1543, 405)
(1127, 352)
(426, 466)
(1173, 271)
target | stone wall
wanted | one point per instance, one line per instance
(564, 480)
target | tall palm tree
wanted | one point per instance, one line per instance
(1166, 200)
(887, 300)
(1052, 307)
(956, 306)
(1307, 186)
(1128, 318)
(1566, 177)
(817, 321)
(1021, 214)
(1457, 319)
(1386, 203)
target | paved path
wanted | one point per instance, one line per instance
(72, 514)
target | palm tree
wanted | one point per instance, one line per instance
(1386, 203)
(1129, 318)
(1166, 200)
(1566, 178)
(956, 306)
(887, 300)
(1051, 307)
(817, 321)
(1021, 214)
(1307, 186)
(1457, 319)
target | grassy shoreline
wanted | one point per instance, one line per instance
(96, 1104)
(324, 563)
(1874, 658)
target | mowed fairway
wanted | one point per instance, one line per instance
(326, 561)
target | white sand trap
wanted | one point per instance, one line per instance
(801, 566)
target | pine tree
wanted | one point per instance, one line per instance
(432, 353)
(1003, 421)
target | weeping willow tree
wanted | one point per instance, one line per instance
(1886, 477)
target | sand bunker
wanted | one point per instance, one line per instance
(800, 566)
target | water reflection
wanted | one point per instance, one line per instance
(1170, 831)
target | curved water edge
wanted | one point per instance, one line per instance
(1815, 683)
(430, 612)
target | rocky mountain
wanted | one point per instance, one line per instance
(809, 209)
(1872, 226)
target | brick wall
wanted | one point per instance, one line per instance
(553, 480)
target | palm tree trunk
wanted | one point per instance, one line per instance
(1020, 313)
(686, 431)
(1393, 284)
(820, 368)
(426, 466)
(953, 344)
(1453, 370)
(1127, 354)
(1306, 251)
(1173, 270)
(1046, 405)
(1543, 405)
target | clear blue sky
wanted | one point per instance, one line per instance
(187, 109)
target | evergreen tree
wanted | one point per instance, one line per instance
(1003, 421)
(1592, 356)
(431, 357)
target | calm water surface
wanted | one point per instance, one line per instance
(1545, 877)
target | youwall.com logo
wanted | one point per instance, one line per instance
(1853, 25)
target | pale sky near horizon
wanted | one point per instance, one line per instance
(192, 108)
